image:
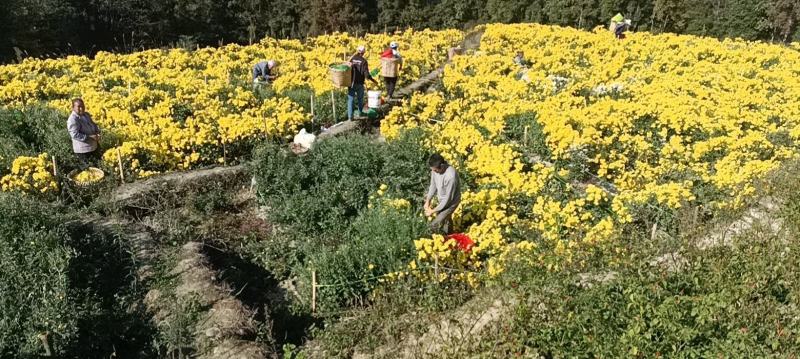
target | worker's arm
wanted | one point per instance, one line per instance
(431, 193)
(366, 72)
(449, 193)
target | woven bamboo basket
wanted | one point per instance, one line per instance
(390, 67)
(96, 174)
(340, 76)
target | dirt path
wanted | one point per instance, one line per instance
(226, 328)
(763, 214)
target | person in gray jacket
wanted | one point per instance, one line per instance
(84, 133)
(263, 71)
(447, 189)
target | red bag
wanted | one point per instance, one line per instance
(387, 54)
(464, 242)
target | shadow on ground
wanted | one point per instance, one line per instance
(260, 291)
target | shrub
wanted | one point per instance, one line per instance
(32, 130)
(323, 111)
(379, 241)
(784, 187)
(68, 281)
(321, 202)
(320, 191)
(737, 301)
(214, 199)
(325, 189)
(535, 143)
(36, 129)
(34, 286)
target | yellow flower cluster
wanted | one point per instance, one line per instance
(381, 198)
(647, 120)
(444, 257)
(30, 174)
(88, 176)
(178, 109)
(435, 247)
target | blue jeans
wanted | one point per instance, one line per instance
(353, 91)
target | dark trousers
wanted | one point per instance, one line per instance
(443, 223)
(391, 83)
(88, 159)
(619, 30)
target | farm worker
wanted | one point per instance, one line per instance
(445, 186)
(519, 59)
(621, 28)
(619, 25)
(356, 89)
(84, 133)
(392, 53)
(263, 71)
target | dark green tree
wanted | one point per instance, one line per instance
(457, 14)
(743, 18)
(5, 30)
(579, 13)
(505, 10)
(39, 27)
(206, 21)
(324, 16)
(782, 19)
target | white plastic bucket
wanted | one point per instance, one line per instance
(373, 99)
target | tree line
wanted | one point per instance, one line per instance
(60, 27)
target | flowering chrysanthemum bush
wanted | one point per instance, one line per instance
(654, 121)
(178, 109)
(30, 174)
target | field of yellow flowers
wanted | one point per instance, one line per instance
(567, 145)
(178, 109)
(654, 121)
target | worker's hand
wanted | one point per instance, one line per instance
(429, 212)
